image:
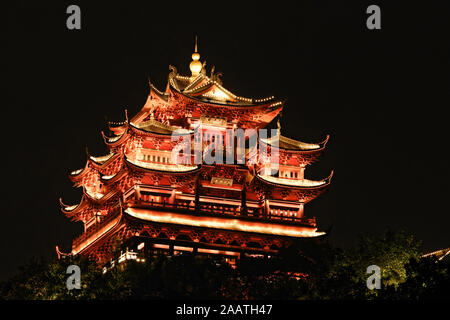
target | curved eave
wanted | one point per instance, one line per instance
(140, 168)
(325, 183)
(141, 131)
(117, 127)
(117, 142)
(114, 178)
(71, 211)
(320, 148)
(157, 93)
(272, 104)
(77, 175)
(75, 178)
(102, 164)
(61, 254)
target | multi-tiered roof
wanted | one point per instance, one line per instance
(140, 194)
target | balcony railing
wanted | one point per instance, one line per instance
(219, 210)
(222, 210)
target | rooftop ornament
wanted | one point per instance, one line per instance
(196, 65)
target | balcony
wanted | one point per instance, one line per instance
(220, 210)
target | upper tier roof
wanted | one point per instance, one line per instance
(204, 88)
(210, 89)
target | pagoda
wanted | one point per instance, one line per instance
(157, 189)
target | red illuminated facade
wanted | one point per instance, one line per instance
(138, 194)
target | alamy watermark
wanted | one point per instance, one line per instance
(228, 146)
(374, 280)
(73, 21)
(74, 280)
(374, 20)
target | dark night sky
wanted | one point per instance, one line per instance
(381, 95)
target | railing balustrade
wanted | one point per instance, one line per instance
(221, 209)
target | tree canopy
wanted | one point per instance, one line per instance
(307, 271)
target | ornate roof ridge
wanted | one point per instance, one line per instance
(191, 88)
(159, 92)
(195, 81)
(231, 104)
(161, 95)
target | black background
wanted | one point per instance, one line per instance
(382, 95)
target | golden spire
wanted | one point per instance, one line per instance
(195, 65)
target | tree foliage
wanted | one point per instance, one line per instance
(309, 270)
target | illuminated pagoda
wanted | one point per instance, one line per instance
(143, 196)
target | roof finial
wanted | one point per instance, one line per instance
(196, 65)
(152, 115)
(279, 124)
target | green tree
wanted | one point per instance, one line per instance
(427, 278)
